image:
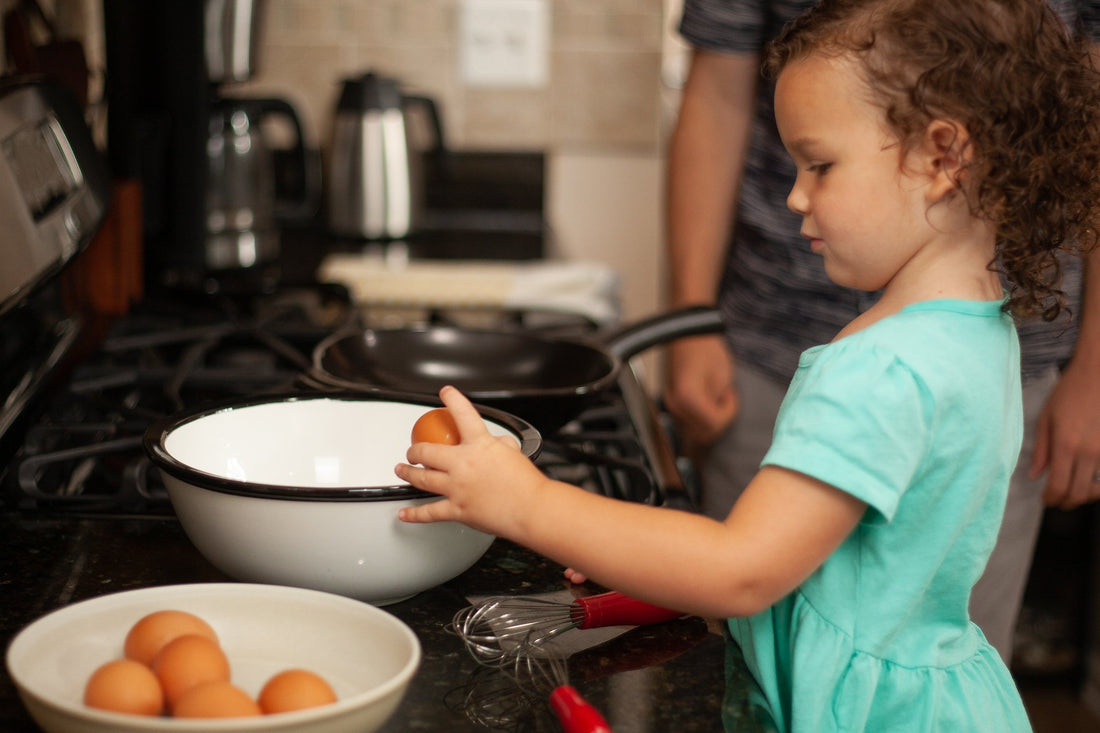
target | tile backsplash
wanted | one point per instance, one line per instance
(603, 88)
(603, 91)
(601, 117)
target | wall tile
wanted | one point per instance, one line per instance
(497, 119)
(607, 99)
(603, 88)
(592, 25)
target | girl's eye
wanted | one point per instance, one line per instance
(819, 168)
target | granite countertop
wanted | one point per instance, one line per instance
(667, 677)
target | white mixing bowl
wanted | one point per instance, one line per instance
(299, 490)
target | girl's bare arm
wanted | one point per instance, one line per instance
(782, 529)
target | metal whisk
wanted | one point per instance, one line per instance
(501, 628)
(548, 675)
(500, 696)
(492, 698)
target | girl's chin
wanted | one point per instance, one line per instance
(845, 278)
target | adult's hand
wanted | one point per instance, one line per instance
(699, 390)
(1067, 444)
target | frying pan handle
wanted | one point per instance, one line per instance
(696, 320)
(576, 714)
(615, 609)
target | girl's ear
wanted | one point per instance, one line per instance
(946, 151)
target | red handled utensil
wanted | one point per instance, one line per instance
(575, 714)
(503, 695)
(502, 627)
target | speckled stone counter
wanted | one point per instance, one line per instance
(656, 679)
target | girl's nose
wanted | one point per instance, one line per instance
(796, 199)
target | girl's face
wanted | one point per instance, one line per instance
(862, 212)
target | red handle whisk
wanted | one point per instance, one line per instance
(498, 625)
(615, 609)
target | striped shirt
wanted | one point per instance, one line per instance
(775, 295)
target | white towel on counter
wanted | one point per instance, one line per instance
(586, 288)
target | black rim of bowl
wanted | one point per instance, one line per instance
(158, 432)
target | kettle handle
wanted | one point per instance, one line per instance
(437, 154)
(434, 120)
(307, 205)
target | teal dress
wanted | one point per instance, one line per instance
(919, 415)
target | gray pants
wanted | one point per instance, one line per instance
(735, 458)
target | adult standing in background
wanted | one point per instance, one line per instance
(732, 241)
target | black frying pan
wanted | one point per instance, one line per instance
(544, 379)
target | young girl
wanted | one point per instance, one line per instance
(932, 138)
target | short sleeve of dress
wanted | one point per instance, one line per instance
(857, 418)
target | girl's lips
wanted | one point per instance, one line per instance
(816, 244)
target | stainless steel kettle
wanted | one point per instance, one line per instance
(376, 173)
(243, 212)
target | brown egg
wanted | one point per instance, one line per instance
(186, 662)
(124, 686)
(295, 689)
(149, 635)
(215, 700)
(436, 426)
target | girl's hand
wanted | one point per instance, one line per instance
(485, 481)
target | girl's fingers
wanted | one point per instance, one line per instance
(426, 454)
(421, 477)
(574, 577)
(436, 511)
(467, 418)
(428, 462)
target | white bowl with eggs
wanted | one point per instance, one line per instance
(367, 655)
(300, 490)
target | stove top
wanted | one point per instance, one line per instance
(81, 452)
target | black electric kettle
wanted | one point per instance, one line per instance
(243, 211)
(376, 175)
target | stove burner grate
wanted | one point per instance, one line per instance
(83, 454)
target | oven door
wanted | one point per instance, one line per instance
(54, 187)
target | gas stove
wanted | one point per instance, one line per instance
(80, 452)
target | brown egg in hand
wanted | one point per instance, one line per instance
(436, 426)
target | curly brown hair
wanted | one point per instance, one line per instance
(1025, 90)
